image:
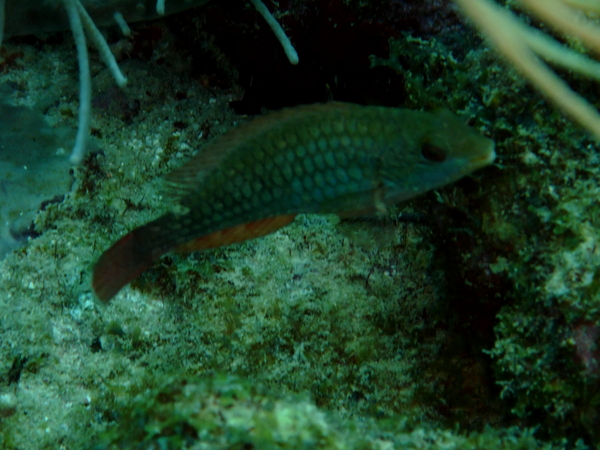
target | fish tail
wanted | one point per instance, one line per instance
(122, 263)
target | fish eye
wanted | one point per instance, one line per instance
(432, 152)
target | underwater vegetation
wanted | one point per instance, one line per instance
(225, 412)
(467, 318)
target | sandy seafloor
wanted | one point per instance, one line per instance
(336, 315)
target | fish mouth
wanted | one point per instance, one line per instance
(486, 159)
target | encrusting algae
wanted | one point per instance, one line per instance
(326, 158)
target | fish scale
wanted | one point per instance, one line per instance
(326, 158)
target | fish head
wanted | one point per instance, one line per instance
(440, 150)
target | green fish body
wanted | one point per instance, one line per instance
(326, 158)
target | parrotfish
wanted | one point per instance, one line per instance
(337, 158)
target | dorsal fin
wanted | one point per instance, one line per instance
(186, 178)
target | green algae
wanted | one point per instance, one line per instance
(225, 412)
(540, 228)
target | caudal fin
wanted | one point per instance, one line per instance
(119, 265)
